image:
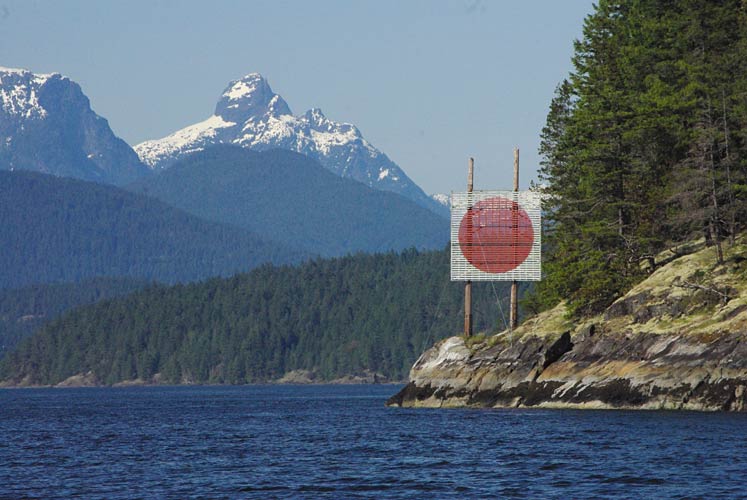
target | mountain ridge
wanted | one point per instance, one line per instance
(47, 125)
(290, 198)
(249, 114)
(59, 229)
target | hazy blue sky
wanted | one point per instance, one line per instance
(429, 82)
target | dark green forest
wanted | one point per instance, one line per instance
(645, 145)
(24, 310)
(335, 316)
(65, 230)
(290, 198)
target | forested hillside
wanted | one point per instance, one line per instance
(645, 145)
(292, 199)
(23, 310)
(65, 230)
(336, 317)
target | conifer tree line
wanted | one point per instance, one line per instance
(335, 317)
(25, 310)
(644, 146)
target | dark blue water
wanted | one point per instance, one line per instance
(341, 442)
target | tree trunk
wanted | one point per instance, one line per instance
(727, 161)
(715, 217)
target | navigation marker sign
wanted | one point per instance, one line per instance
(496, 236)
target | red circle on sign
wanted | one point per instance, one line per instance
(496, 235)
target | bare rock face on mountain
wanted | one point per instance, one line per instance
(678, 340)
(47, 125)
(251, 115)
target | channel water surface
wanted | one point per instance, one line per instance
(341, 442)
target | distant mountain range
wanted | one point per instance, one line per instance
(47, 125)
(252, 165)
(249, 114)
(290, 198)
(66, 230)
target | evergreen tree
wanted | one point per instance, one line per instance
(336, 317)
(640, 150)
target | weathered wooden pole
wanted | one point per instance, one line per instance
(513, 320)
(468, 285)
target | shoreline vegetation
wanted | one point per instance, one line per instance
(677, 340)
(296, 377)
(344, 317)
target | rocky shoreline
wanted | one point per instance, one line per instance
(661, 346)
(584, 371)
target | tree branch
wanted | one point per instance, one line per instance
(724, 296)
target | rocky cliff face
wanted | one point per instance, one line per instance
(47, 125)
(678, 340)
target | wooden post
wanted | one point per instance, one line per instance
(468, 285)
(513, 321)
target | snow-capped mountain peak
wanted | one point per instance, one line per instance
(47, 125)
(251, 115)
(316, 120)
(315, 117)
(26, 73)
(19, 92)
(246, 86)
(248, 97)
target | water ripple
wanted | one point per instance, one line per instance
(340, 442)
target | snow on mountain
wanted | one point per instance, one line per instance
(443, 199)
(251, 115)
(182, 142)
(19, 93)
(47, 125)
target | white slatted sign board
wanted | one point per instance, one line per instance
(496, 236)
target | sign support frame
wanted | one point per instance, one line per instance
(513, 320)
(468, 284)
(507, 227)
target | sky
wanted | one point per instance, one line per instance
(428, 82)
